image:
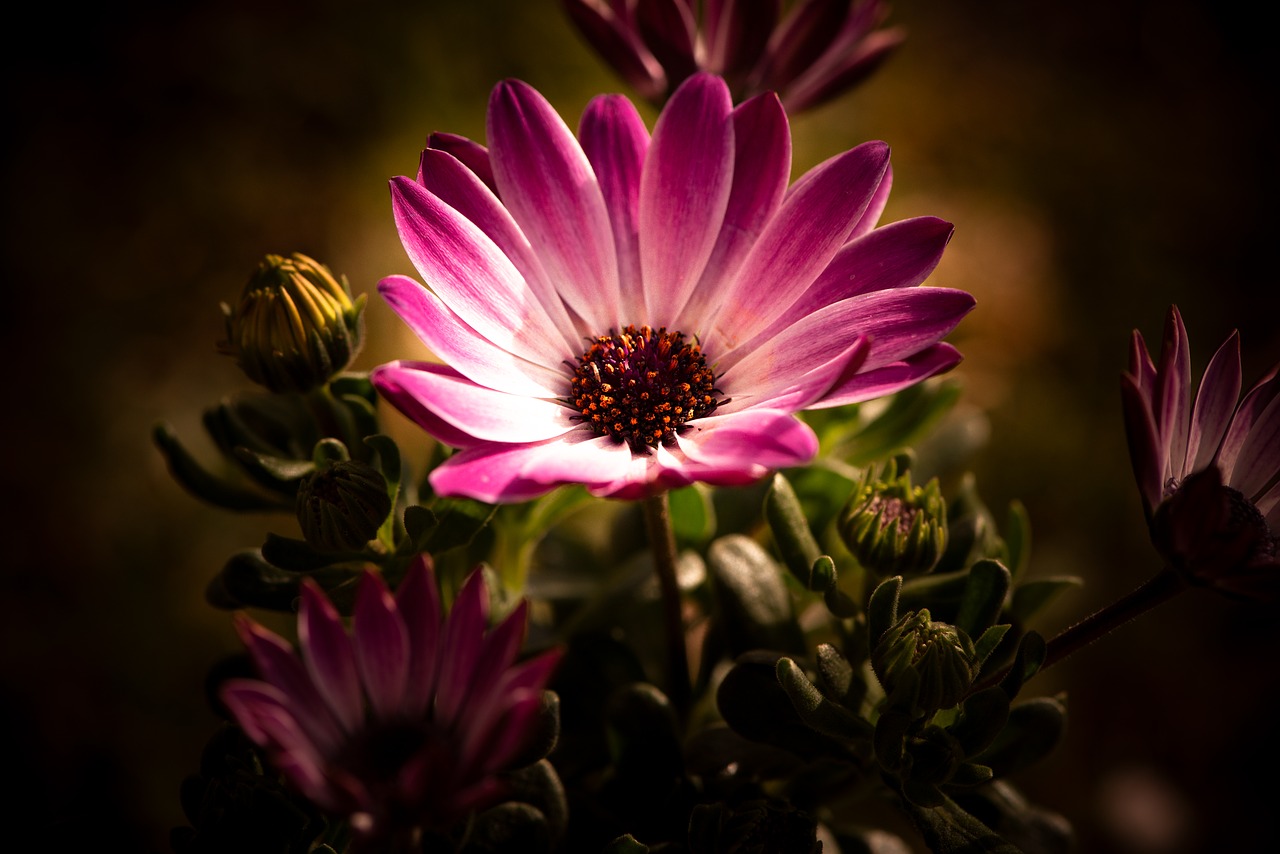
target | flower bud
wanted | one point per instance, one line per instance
(892, 527)
(941, 654)
(295, 326)
(341, 505)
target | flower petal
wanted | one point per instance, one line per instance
(418, 601)
(496, 473)
(894, 377)
(1173, 396)
(381, 646)
(794, 369)
(1145, 450)
(473, 355)
(549, 187)
(468, 152)
(268, 720)
(616, 141)
(1215, 404)
(1255, 402)
(389, 381)
(463, 640)
(1259, 461)
(752, 442)
(684, 190)
(618, 43)
(330, 660)
(473, 276)
(797, 244)
(479, 412)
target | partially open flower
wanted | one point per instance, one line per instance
(409, 722)
(638, 313)
(295, 326)
(808, 53)
(1209, 473)
(893, 527)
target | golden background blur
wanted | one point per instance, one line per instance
(1100, 160)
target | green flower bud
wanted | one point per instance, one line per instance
(892, 527)
(341, 505)
(296, 326)
(941, 654)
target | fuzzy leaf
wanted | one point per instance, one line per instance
(790, 528)
(984, 595)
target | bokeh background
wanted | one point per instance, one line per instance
(1101, 160)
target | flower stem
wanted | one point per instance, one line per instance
(1158, 589)
(662, 542)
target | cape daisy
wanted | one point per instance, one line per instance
(636, 313)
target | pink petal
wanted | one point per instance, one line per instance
(1255, 402)
(794, 369)
(736, 33)
(329, 657)
(752, 442)
(500, 649)
(469, 153)
(615, 140)
(381, 646)
(619, 44)
(1141, 368)
(549, 187)
(1215, 404)
(797, 244)
(670, 32)
(487, 415)
(1259, 459)
(389, 380)
(452, 183)
(1145, 450)
(418, 601)
(498, 473)
(279, 666)
(1173, 396)
(887, 379)
(473, 276)
(684, 190)
(463, 640)
(871, 216)
(268, 721)
(761, 170)
(453, 341)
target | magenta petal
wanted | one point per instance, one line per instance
(1145, 451)
(281, 668)
(1259, 461)
(462, 642)
(619, 44)
(684, 189)
(473, 355)
(389, 381)
(381, 646)
(551, 190)
(1141, 368)
(483, 413)
(327, 651)
(500, 650)
(1255, 401)
(1215, 404)
(472, 275)
(887, 379)
(871, 216)
(469, 153)
(670, 32)
(761, 169)
(752, 440)
(1173, 396)
(269, 722)
(418, 601)
(616, 141)
(737, 32)
(798, 366)
(496, 473)
(798, 243)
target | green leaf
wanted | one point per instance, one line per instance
(693, 517)
(796, 544)
(882, 608)
(298, 556)
(1034, 728)
(625, 845)
(983, 598)
(910, 415)
(447, 524)
(982, 718)
(1031, 597)
(754, 605)
(1026, 662)
(276, 468)
(948, 829)
(1017, 538)
(816, 710)
(201, 483)
(987, 643)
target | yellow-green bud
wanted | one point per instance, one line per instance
(341, 505)
(892, 527)
(295, 326)
(941, 654)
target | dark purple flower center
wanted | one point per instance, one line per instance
(641, 385)
(1246, 520)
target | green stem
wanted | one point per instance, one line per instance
(662, 542)
(1157, 590)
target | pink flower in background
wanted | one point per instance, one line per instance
(1208, 472)
(407, 722)
(809, 54)
(637, 313)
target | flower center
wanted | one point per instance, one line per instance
(642, 385)
(1247, 521)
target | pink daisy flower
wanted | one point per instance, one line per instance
(406, 723)
(810, 54)
(636, 313)
(1208, 472)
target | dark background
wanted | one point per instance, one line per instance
(1100, 160)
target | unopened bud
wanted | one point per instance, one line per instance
(341, 505)
(941, 654)
(892, 527)
(295, 326)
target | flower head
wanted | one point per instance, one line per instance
(813, 52)
(637, 313)
(406, 723)
(295, 326)
(1208, 472)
